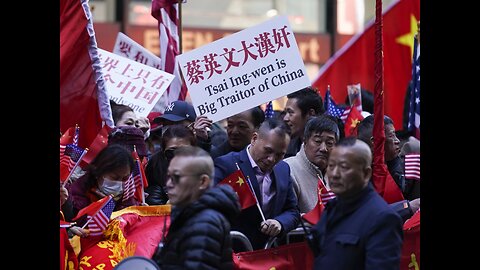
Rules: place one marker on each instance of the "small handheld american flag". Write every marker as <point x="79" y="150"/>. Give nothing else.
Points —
<point x="269" y="110"/>
<point x="412" y="166"/>
<point x="99" y="221"/>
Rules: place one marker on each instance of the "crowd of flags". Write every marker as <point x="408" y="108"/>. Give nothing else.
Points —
<point x="70" y="152"/>
<point x="166" y="12"/>
<point x="137" y="182"/>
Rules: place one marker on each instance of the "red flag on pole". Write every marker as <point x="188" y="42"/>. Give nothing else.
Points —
<point x="239" y="183"/>
<point x="100" y="142"/>
<point x="83" y="100"/>
<point x="93" y="208"/>
<point x="354" y="62"/>
<point x="353" y="119"/>
<point x="382" y="180"/>
<point x="167" y="14"/>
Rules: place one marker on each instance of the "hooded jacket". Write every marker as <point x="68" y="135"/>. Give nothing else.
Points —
<point x="199" y="235"/>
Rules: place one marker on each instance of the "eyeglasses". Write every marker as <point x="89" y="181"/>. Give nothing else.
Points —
<point x="169" y="153"/>
<point x="176" y="177"/>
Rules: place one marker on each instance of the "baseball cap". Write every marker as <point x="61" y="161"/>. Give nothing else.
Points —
<point x="176" y="111"/>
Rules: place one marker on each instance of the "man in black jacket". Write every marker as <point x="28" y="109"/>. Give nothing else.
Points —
<point x="199" y="234"/>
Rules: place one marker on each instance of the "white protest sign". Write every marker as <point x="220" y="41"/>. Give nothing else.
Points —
<point x="128" y="48"/>
<point x="131" y="83"/>
<point x="244" y="70"/>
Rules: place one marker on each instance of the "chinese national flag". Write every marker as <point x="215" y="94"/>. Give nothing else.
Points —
<point x="100" y="142"/>
<point x="93" y="208"/>
<point x="238" y="182"/>
<point x="314" y="215"/>
<point x="352" y="121"/>
<point x="67" y="137"/>
<point x="410" y="258"/>
<point x="354" y="62"/>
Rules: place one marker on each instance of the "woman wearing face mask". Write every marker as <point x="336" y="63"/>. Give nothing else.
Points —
<point x="105" y="176"/>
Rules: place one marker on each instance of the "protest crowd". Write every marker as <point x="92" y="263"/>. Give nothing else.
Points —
<point x="204" y="173"/>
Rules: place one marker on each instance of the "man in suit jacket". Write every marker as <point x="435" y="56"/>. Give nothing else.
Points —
<point x="261" y="162"/>
<point x="357" y="230"/>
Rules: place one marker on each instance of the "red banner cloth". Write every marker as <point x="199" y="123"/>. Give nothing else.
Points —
<point x="295" y="256"/>
<point x="68" y="259"/>
<point x="133" y="231"/>
<point x="410" y="259"/>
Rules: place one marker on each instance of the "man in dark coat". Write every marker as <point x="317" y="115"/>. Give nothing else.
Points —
<point x="261" y="162"/>
<point x="199" y="234"/>
<point x="357" y="230"/>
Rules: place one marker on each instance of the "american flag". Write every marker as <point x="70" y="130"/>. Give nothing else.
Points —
<point x="412" y="166"/>
<point x="414" y="111"/>
<point x="269" y="110"/>
<point x="75" y="136"/>
<point x="166" y="12"/>
<point x="324" y="195"/>
<point x="136" y="183"/>
<point x="70" y="157"/>
<point x="332" y="109"/>
<point x="65" y="139"/>
<point x="99" y="221"/>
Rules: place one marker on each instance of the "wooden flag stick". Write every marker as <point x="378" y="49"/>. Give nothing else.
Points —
<point x="137" y="161"/>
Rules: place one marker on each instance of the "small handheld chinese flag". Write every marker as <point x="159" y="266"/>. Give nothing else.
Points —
<point x="324" y="195"/>
<point x="238" y="182"/>
<point x="352" y="121"/>
<point x="93" y="208"/>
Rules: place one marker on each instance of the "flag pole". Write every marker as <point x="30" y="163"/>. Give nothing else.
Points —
<point x="180" y="26"/>
<point x="74" y="167"/>
<point x="378" y="92"/>
<point x="258" y="205"/>
<point x="253" y="191"/>
<point x="137" y="160"/>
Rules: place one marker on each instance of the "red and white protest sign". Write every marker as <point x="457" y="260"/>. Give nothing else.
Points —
<point x="243" y="70"/>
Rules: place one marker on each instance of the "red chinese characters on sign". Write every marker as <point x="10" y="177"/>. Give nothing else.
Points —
<point x="129" y="75"/>
<point x="264" y="44"/>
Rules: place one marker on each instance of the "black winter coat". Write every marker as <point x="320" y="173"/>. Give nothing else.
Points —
<point x="199" y="235"/>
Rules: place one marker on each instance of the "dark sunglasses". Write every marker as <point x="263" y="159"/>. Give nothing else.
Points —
<point x="176" y="177"/>
<point x="169" y="153"/>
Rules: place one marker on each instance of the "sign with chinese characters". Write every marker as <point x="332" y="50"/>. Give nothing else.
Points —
<point x="244" y="70"/>
<point x="128" y="48"/>
<point x="131" y="83"/>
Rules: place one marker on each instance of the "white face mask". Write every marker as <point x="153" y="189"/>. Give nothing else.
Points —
<point x="108" y="187"/>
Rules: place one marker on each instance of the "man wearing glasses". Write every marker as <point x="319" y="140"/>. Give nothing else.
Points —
<point x="199" y="234"/>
